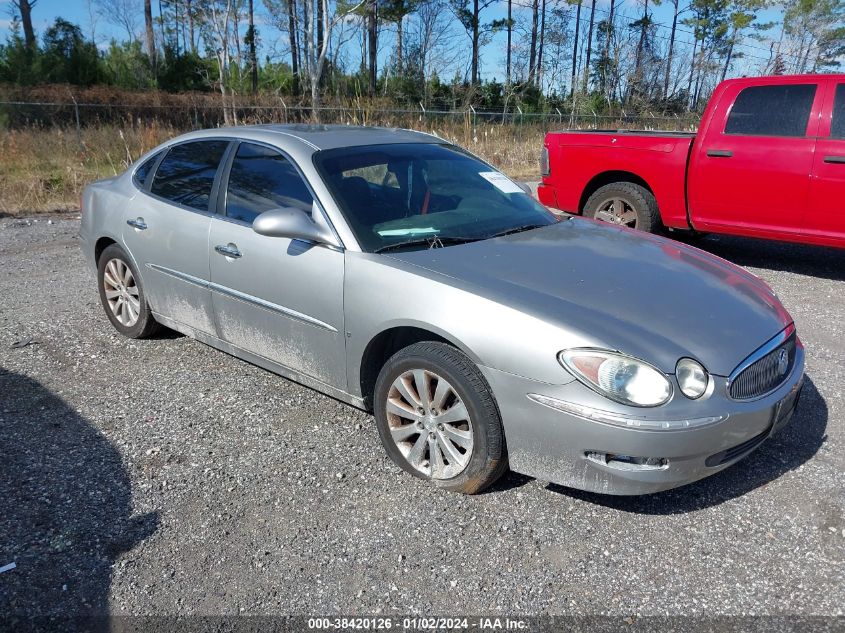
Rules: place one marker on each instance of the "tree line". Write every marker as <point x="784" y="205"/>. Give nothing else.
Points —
<point x="435" y="54"/>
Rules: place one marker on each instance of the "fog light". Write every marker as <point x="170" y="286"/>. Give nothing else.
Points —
<point x="692" y="378"/>
<point x="627" y="462"/>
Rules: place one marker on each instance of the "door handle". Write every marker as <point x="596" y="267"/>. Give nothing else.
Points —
<point x="720" y="153"/>
<point x="137" y="223"/>
<point x="834" y="159"/>
<point x="228" y="250"/>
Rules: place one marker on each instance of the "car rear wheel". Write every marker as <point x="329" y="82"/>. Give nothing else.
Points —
<point x="625" y="204"/>
<point x="122" y="295"/>
<point x="437" y="418"/>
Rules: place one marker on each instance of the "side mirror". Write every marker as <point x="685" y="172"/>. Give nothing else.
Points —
<point x="292" y="223"/>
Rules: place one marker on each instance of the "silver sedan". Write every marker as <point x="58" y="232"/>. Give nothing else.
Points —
<point x="398" y="273"/>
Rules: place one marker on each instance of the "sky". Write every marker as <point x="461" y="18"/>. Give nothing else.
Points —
<point x="80" y="12"/>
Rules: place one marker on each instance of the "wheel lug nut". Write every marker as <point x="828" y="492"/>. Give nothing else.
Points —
<point x="431" y="435"/>
<point x="439" y="427"/>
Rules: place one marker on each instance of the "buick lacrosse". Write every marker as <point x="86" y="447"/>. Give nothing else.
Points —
<point x="398" y="273"/>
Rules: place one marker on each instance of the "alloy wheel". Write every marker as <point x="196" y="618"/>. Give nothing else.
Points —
<point x="617" y="211"/>
<point x="430" y="424"/>
<point x="122" y="292"/>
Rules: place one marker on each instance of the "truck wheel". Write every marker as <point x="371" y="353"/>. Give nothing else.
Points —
<point x="626" y="204"/>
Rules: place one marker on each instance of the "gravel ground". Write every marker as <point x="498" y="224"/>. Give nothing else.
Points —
<point x="164" y="477"/>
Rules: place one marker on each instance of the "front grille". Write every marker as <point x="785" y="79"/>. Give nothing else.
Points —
<point x="765" y="374"/>
<point x="723" y="457"/>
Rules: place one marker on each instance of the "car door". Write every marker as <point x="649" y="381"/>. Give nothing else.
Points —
<point x="751" y="168"/>
<point x="167" y="233"/>
<point x="279" y="298"/>
<point x="827" y="191"/>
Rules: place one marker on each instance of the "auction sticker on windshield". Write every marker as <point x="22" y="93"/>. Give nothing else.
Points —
<point x="501" y="182"/>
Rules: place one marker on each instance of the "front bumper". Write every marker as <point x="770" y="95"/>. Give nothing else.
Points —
<point x="565" y="448"/>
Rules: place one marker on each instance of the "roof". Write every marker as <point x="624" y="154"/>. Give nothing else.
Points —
<point x="332" y="136"/>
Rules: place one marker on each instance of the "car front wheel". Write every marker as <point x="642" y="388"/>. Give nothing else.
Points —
<point x="437" y="418"/>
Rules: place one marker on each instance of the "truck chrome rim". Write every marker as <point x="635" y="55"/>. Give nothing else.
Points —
<point x="121" y="292"/>
<point x="617" y="211"/>
<point x="430" y="424"/>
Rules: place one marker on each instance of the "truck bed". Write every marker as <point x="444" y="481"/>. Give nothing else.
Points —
<point x="584" y="160"/>
<point x="658" y="133"/>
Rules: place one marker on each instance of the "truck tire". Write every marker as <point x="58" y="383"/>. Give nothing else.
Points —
<point x="625" y="204"/>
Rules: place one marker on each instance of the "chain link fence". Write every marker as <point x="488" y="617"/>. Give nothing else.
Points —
<point x="197" y="115"/>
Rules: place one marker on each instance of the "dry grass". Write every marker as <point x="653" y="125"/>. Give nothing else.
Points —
<point x="44" y="170"/>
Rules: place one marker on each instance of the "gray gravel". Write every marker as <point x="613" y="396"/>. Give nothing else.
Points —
<point x="164" y="477"/>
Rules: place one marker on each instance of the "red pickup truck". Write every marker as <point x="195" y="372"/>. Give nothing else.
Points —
<point x="768" y="161"/>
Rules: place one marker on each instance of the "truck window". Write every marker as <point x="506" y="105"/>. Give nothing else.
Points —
<point x="772" y="110"/>
<point x="837" y="126"/>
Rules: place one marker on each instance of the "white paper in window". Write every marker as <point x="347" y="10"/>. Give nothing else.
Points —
<point x="501" y="182"/>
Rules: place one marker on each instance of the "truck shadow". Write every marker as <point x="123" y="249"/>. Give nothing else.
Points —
<point x="794" y="445"/>
<point x="813" y="261"/>
<point x="65" y="510"/>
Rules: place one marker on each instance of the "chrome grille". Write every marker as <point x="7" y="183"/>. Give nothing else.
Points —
<point x="766" y="373"/>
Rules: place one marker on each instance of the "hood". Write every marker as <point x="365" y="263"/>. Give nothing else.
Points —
<point x="640" y="294"/>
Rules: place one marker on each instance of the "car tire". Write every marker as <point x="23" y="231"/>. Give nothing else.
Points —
<point x="452" y="381"/>
<point x="626" y="204"/>
<point x="122" y="294"/>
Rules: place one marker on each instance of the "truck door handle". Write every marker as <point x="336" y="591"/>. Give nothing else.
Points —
<point x="137" y="223"/>
<point x="834" y="159"/>
<point x="720" y="153"/>
<point x="229" y="250"/>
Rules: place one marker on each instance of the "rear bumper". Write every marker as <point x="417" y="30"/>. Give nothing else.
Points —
<point x="573" y="451"/>
<point x="546" y="195"/>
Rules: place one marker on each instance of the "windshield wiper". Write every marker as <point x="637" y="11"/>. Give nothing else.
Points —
<point x="434" y="241"/>
<point x="518" y="229"/>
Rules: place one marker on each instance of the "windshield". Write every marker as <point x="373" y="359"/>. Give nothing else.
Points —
<point x="415" y="192"/>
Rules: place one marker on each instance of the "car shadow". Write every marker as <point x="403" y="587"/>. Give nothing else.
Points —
<point x="165" y="334"/>
<point x="794" y="445"/>
<point x="802" y="259"/>
<point x="65" y="511"/>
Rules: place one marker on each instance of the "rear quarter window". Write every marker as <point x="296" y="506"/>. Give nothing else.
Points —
<point x="143" y="172"/>
<point x="772" y="110"/>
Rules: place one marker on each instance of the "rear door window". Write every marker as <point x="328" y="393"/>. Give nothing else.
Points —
<point x="262" y="179"/>
<point x="772" y="110"/>
<point x="837" y="125"/>
<point x="186" y="175"/>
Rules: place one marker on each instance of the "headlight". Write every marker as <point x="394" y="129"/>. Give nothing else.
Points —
<point x="692" y="378"/>
<point x="618" y="377"/>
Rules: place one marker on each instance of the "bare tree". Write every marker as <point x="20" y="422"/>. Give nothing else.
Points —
<point x="676" y="11"/>
<point x="253" y="58"/>
<point x="315" y="51"/>
<point x="123" y="14"/>
<point x="285" y="18"/>
<point x="532" y="54"/>
<point x="589" y="45"/>
<point x="24" y="8"/>
<point x="575" y="47"/>
<point x="150" y="33"/>
<point x="372" y="45"/>
<point x="217" y="19"/>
